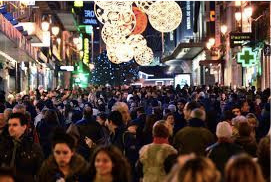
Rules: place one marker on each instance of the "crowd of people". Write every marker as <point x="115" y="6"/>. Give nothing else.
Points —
<point x="131" y="134"/>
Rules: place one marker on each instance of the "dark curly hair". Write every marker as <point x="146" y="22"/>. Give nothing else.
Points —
<point x="121" y="170"/>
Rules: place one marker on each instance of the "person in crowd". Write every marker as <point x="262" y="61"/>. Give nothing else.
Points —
<point x="39" y="107"/>
<point x="245" y="139"/>
<point x="45" y="129"/>
<point x="195" y="137"/>
<point x="196" y="169"/>
<point x="153" y="156"/>
<point x="179" y="116"/>
<point x="224" y="148"/>
<point x="122" y="138"/>
<point x="147" y="130"/>
<point x="236" y="110"/>
<point x="7" y="113"/>
<point x="263" y="156"/>
<point x="18" y="150"/>
<point x="2" y="122"/>
<point x="124" y="110"/>
<point x="242" y="168"/>
<point x="245" y="108"/>
<point x="19" y="108"/>
<point x="108" y="164"/>
<point x="254" y="124"/>
<point x="64" y="164"/>
<point x="87" y="128"/>
<point x="7" y="175"/>
<point x="235" y="124"/>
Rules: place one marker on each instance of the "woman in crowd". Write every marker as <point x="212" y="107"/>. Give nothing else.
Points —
<point x="242" y="168"/>
<point x="109" y="165"/>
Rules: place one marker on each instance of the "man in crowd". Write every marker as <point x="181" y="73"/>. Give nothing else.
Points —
<point x="18" y="150"/>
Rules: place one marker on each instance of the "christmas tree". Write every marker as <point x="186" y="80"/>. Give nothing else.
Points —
<point x="106" y="72"/>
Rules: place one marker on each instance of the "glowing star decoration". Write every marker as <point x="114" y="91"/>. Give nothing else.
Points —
<point x="141" y="21"/>
<point x="165" y="16"/>
<point x="115" y="5"/>
<point x="247" y="57"/>
<point x="144" y="6"/>
<point x="143" y="56"/>
<point x="78" y="4"/>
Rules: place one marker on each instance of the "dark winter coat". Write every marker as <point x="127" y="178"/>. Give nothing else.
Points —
<point x="248" y="143"/>
<point x="193" y="138"/>
<point x="28" y="158"/>
<point x="220" y="152"/>
<point x="45" y="130"/>
<point x="50" y="172"/>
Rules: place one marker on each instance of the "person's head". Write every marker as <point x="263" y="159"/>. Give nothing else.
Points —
<point x="244" y="129"/>
<point x="242" y="168"/>
<point x="245" y="107"/>
<point x="26" y="98"/>
<point x="223" y="130"/>
<point x="17" y="124"/>
<point x="39" y="106"/>
<point x="199" y="169"/>
<point x="252" y="120"/>
<point x="63" y="146"/>
<point x="7" y="113"/>
<point x="160" y="130"/>
<point x="172" y="108"/>
<point x="170" y="119"/>
<point x="88" y="112"/>
<point x="236" y="110"/>
<point x="114" y="120"/>
<point x="19" y="108"/>
<point x="189" y="106"/>
<point x="238" y="119"/>
<point x="263" y="155"/>
<point x="198" y="114"/>
<point x="51" y="116"/>
<point x="2" y="120"/>
<point x="6" y="175"/>
<point x="101" y="118"/>
<point x="139" y="111"/>
<point x="180" y="104"/>
<point x="108" y="160"/>
<point x="124" y="110"/>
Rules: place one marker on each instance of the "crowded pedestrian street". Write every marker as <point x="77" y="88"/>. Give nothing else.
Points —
<point x="135" y="91"/>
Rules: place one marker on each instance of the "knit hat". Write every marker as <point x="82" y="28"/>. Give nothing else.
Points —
<point x="223" y="129"/>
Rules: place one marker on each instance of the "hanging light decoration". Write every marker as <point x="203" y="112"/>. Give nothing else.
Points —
<point x="141" y="21"/>
<point x="123" y="25"/>
<point x="144" y="6"/>
<point x="143" y="56"/>
<point x="165" y="16"/>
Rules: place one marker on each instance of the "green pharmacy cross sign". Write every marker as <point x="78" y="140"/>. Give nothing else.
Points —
<point x="247" y="57"/>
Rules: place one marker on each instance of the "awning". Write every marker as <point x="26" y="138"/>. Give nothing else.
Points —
<point x="67" y="21"/>
<point x="185" y="52"/>
<point x="10" y="48"/>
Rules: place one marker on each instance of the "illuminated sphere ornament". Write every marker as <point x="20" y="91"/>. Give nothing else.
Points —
<point x="165" y="16"/>
<point x="124" y="52"/>
<point x="143" y="56"/>
<point x="141" y="21"/>
<point x="115" y="5"/>
<point x="136" y="41"/>
<point x="144" y="6"/>
<point x="111" y="54"/>
<point x="112" y="35"/>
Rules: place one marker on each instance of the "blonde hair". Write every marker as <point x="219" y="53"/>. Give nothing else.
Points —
<point x="122" y="107"/>
<point x="199" y="169"/>
<point x="242" y="168"/>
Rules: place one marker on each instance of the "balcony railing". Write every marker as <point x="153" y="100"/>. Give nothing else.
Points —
<point x="17" y="37"/>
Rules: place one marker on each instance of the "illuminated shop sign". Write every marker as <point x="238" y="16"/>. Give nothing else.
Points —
<point x="86" y="51"/>
<point x="246" y="57"/>
<point x="238" y="39"/>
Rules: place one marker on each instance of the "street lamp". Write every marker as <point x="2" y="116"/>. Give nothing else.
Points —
<point x="212" y="42"/>
<point x="55" y="30"/>
<point x="224" y="29"/>
<point x="75" y="40"/>
<point x="45" y="26"/>
<point x="248" y="12"/>
<point x="238" y="16"/>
